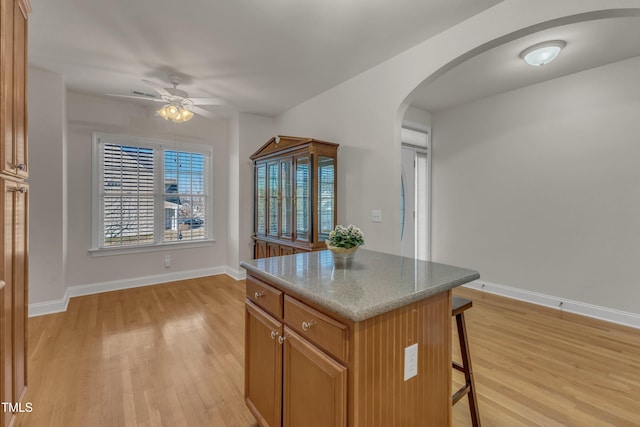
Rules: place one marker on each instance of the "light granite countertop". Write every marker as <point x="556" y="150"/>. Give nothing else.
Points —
<point x="373" y="284"/>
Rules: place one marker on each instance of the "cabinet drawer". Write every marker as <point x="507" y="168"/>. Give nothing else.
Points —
<point x="265" y="296"/>
<point x="323" y="331"/>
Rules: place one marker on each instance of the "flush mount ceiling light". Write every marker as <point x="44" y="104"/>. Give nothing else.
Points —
<point x="542" y="53"/>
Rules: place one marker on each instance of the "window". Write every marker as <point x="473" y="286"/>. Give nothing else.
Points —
<point x="149" y="193"/>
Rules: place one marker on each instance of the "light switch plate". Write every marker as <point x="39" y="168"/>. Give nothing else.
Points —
<point x="410" y="361"/>
<point x="376" y="216"/>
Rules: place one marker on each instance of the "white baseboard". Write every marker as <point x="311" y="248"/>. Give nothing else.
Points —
<point x="236" y="274"/>
<point x="570" y="306"/>
<point x="577" y="307"/>
<point x="49" y="307"/>
<point x="57" y="306"/>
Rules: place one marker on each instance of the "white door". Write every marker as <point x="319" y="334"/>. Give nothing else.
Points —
<point x="415" y="207"/>
<point x="408" y="231"/>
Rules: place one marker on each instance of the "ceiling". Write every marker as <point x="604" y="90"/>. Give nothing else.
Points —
<point x="589" y="44"/>
<point x="263" y="56"/>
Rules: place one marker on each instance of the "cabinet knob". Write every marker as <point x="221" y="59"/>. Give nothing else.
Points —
<point x="22" y="167"/>
<point x="257" y="295"/>
<point x="274" y="335"/>
<point x="281" y="339"/>
<point x="307" y="325"/>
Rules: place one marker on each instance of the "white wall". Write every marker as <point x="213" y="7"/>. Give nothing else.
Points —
<point x="364" y="113"/>
<point x="248" y="133"/>
<point x="60" y="141"/>
<point x="255" y="131"/>
<point x="87" y="114"/>
<point x="416" y="118"/>
<point x="47" y="210"/>
<point x="537" y="188"/>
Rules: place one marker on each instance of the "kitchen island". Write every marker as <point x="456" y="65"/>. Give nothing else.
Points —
<point x="326" y="346"/>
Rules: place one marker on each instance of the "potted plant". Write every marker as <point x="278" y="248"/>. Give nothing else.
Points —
<point x="343" y="242"/>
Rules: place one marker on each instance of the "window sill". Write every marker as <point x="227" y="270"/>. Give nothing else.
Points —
<point x="99" y="252"/>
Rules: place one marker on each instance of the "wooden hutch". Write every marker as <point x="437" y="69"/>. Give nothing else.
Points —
<point x="295" y="193"/>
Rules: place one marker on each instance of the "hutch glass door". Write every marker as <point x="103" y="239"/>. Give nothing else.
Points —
<point x="303" y="187"/>
<point x="326" y="196"/>
<point x="286" y="210"/>
<point x="261" y="199"/>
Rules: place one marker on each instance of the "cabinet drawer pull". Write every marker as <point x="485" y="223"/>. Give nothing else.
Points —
<point x="274" y="335"/>
<point x="19" y="190"/>
<point x="307" y="325"/>
<point x="281" y="339"/>
<point x="22" y="167"/>
<point x="257" y="295"/>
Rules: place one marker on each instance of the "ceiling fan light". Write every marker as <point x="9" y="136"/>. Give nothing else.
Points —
<point x="542" y="53"/>
<point x="162" y="112"/>
<point x="173" y="112"/>
<point x="182" y="116"/>
<point x="186" y="115"/>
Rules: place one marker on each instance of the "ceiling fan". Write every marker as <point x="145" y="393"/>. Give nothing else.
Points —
<point x="179" y="107"/>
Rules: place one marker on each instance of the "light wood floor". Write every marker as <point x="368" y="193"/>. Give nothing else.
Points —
<point x="536" y="366"/>
<point x="172" y="355"/>
<point x="167" y="355"/>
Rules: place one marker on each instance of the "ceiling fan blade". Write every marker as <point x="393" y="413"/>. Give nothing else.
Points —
<point x="200" y="111"/>
<point x="157" y="87"/>
<point x="209" y="101"/>
<point x="144" y="98"/>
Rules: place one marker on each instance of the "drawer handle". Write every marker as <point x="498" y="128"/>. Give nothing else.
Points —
<point x="281" y="339"/>
<point x="257" y="295"/>
<point x="307" y="325"/>
<point x="274" y="335"/>
<point x="22" y="167"/>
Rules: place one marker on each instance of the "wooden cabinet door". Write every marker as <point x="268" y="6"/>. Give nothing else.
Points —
<point x="13" y="66"/>
<point x="19" y="91"/>
<point x="315" y="386"/>
<point x="260" y="249"/>
<point x="273" y="249"/>
<point x="263" y="366"/>
<point x="14" y="274"/>
<point x="7" y="8"/>
<point x="286" y="250"/>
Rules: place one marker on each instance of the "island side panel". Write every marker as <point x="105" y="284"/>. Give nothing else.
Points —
<point x="379" y="396"/>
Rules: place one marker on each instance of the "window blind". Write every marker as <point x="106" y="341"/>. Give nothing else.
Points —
<point x="128" y="195"/>
<point x="148" y="193"/>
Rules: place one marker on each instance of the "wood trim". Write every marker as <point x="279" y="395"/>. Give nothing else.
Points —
<point x="3" y="342"/>
<point x="25" y="7"/>
<point x="283" y="144"/>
